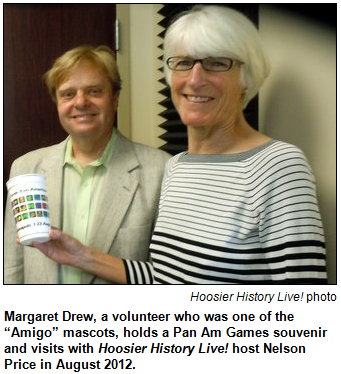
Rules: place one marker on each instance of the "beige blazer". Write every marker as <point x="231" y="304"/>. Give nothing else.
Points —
<point x="125" y="215"/>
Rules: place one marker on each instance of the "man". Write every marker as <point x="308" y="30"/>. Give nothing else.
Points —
<point x="103" y="189"/>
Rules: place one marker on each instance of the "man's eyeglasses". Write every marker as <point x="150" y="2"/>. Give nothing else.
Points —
<point x="209" y="63"/>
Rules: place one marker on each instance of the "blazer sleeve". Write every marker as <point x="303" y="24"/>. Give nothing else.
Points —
<point x="13" y="253"/>
<point x="16" y="258"/>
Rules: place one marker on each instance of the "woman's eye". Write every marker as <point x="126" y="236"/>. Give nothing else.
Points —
<point x="184" y="63"/>
<point x="218" y="64"/>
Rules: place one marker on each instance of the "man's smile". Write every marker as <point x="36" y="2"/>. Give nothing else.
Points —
<point x="84" y="115"/>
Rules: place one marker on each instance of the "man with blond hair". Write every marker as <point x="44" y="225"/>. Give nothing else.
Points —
<point x="103" y="189"/>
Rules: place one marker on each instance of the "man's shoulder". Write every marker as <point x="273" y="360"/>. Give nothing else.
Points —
<point x="43" y="153"/>
<point x="150" y="151"/>
<point x="144" y="152"/>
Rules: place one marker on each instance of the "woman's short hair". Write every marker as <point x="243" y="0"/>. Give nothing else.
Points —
<point x="102" y="56"/>
<point x="219" y="31"/>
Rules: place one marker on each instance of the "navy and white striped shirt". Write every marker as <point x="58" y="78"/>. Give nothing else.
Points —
<point x="247" y="218"/>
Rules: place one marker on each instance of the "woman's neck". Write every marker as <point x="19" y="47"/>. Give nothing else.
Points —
<point x="227" y="139"/>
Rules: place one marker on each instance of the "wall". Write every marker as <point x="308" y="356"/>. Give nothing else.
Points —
<point x="298" y="102"/>
<point x="138" y="62"/>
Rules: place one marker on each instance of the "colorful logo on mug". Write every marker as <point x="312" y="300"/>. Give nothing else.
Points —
<point x="35" y="204"/>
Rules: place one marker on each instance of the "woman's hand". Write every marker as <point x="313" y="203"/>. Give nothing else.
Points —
<point x="62" y="248"/>
<point x="67" y="250"/>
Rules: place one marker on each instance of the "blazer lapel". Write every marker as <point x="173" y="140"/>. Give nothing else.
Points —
<point x="118" y="192"/>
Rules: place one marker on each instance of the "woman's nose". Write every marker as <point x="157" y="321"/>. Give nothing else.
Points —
<point x="197" y="75"/>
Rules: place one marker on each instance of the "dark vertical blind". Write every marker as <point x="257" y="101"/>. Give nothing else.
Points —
<point x="34" y="35"/>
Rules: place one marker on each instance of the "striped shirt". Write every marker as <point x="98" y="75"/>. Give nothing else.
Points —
<point x="247" y="218"/>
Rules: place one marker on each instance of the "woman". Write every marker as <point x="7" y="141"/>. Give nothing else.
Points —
<point x="238" y="207"/>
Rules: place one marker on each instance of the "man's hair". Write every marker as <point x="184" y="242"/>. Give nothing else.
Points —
<point x="101" y="56"/>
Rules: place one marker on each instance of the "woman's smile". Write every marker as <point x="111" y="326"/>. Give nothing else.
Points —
<point x="198" y="99"/>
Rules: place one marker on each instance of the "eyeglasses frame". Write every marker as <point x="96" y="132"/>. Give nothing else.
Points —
<point x="195" y="60"/>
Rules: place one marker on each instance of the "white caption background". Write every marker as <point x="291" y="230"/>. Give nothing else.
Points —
<point x="216" y="336"/>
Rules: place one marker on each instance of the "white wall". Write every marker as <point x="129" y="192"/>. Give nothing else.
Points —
<point x="138" y="63"/>
<point x="298" y="102"/>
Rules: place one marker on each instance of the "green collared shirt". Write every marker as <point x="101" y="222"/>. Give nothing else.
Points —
<point x="82" y="188"/>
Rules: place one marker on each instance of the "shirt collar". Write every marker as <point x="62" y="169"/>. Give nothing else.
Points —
<point x="102" y="160"/>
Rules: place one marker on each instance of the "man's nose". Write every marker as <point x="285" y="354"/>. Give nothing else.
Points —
<point x="81" y="99"/>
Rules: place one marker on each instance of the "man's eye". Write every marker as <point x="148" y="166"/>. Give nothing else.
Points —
<point x="67" y="94"/>
<point x="94" y="91"/>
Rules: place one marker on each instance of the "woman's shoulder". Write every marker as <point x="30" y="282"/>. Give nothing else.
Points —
<point x="282" y="157"/>
<point x="175" y="159"/>
<point x="284" y="151"/>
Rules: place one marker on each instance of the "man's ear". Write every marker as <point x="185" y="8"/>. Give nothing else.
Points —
<point x="116" y="99"/>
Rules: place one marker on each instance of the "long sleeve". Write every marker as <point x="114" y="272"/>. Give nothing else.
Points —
<point x="138" y="272"/>
<point x="290" y="229"/>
